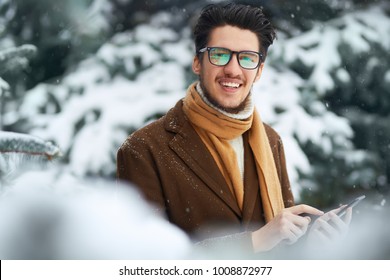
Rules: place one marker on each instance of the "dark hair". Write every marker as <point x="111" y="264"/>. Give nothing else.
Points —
<point x="238" y="15"/>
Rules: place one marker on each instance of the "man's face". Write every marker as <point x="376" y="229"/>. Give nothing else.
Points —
<point x="227" y="87"/>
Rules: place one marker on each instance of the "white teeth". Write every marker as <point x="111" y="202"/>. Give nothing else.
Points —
<point x="234" y="85"/>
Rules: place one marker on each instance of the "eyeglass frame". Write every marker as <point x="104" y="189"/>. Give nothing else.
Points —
<point x="202" y="50"/>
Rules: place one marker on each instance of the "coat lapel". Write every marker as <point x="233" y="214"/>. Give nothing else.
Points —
<point x="190" y="148"/>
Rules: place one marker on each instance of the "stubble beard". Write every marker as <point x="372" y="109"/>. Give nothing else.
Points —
<point x="215" y="103"/>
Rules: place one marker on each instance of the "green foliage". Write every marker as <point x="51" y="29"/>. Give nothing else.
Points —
<point x="13" y="60"/>
<point x="336" y="176"/>
<point x="364" y="100"/>
<point x="18" y="152"/>
<point x="63" y="32"/>
<point x="345" y="62"/>
<point x="318" y="40"/>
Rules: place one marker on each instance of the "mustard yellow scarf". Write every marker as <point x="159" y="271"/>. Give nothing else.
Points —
<point x="216" y="129"/>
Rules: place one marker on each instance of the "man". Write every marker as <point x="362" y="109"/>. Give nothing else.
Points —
<point x="210" y="164"/>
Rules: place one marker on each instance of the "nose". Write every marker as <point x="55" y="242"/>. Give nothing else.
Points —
<point x="233" y="68"/>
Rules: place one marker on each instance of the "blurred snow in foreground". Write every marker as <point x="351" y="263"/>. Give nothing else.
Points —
<point x="52" y="215"/>
<point x="45" y="218"/>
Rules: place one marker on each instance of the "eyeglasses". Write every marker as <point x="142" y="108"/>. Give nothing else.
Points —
<point x="221" y="56"/>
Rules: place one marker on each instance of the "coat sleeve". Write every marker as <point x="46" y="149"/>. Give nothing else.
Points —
<point x="135" y="166"/>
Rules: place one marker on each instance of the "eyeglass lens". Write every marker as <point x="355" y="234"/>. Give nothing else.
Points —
<point x="221" y="57"/>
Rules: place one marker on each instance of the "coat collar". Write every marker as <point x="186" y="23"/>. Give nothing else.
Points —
<point x="189" y="147"/>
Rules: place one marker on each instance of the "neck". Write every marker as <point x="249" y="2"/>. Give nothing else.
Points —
<point x="244" y="114"/>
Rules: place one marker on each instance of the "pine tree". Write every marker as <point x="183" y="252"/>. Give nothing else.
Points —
<point x="318" y="44"/>
<point x="18" y="152"/>
<point x="345" y="63"/>
<point x="64" y="32"/>
<point x="104" y="97"/>
<point x="13" y="60"/>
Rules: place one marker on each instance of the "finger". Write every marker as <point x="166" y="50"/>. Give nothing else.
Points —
<point x="326" y="217"/>
<point x="291" y="239"/>
<point x="304" y="226"/>
<point x="293" y="235"/>
<point x="298" y="225"/>
<point x="301" y="222"/>
<point x="337" y="223"/>
<point x="299" y="229"/>
<point x="338" y="210"/>
<point x="327" y="229"/>
<point x="348" y="216"/>
<point x="291" y="231"/>
<point x="304" y="209"/>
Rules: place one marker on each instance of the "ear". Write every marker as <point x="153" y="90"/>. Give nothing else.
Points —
<point x="259" y="71"/>
<point x="196" y="67"/>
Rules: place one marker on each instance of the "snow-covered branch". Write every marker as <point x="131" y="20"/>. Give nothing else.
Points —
<point x="20" y="152"/>
<point x="16" y="58"/>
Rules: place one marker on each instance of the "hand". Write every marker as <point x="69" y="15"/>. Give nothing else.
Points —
<point x="330" y="227"/>
<point x="288" y="226"/>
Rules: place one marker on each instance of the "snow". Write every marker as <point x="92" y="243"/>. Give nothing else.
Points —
<point x="343" y="75"/>
<point x="54" y="216"/>
<point x="280" y="89"/>
<point x="161" y="74"/>
<point x="19" y="143"/>
<point x="94" y="146"/>
<point x="178" y="52"/>
<point x="3" y="85"/>
<point x="92" y="20"/>
<point x="99" y="107"/>
<point x="147" y="55"/>
<point x="153" y="35"/>
<point x="387" y="76"/>
<point x="318" y="48"/>
<point x="137" y="76"/>
<point x="107" y="104"/>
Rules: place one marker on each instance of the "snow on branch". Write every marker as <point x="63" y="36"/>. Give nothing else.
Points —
<point x="3" y="85"/>
<point x="16" y="58"/>
<point x="19" y="152"/>
<point x="4" y="88"/>
<point x="318" y="49"/>
<point x="12" y="142"/>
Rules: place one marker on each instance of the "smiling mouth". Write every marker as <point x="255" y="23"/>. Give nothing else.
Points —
<point x="230" y="84"/>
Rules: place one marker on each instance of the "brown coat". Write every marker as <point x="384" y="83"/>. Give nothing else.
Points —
<point x="170" y="164"/>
